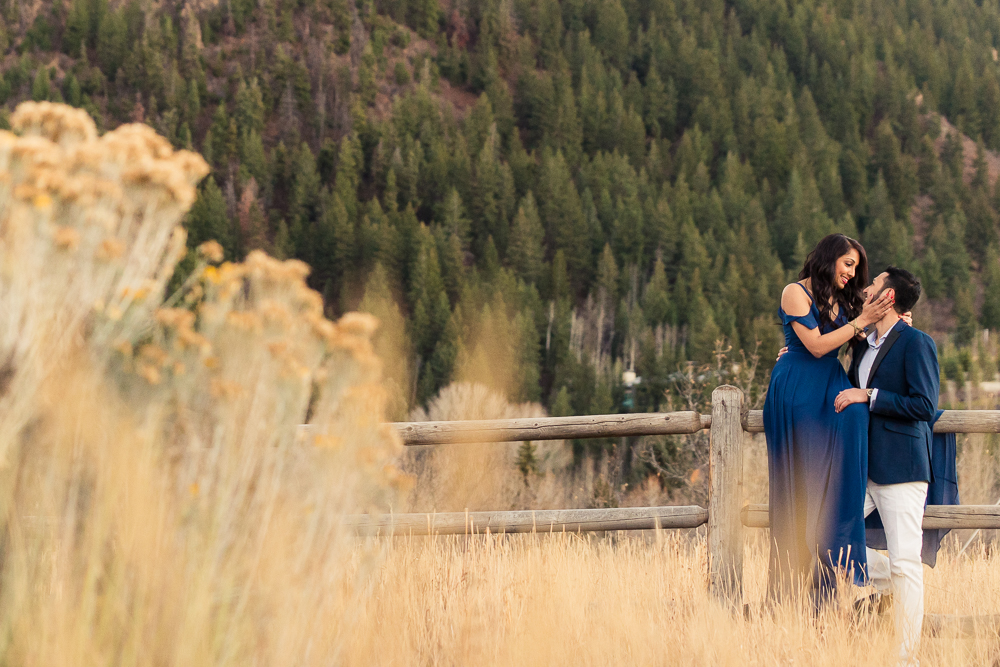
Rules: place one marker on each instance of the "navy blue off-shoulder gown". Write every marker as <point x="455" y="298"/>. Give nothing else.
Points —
<point x="817" y="465"/>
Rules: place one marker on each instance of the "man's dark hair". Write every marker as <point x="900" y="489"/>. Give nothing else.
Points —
<point x="905" y="285"/>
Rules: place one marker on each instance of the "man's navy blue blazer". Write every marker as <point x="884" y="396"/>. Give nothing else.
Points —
<point x="907" y="377"/>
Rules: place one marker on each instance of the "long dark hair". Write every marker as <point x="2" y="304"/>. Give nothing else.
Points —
<point x="820" y="266"/>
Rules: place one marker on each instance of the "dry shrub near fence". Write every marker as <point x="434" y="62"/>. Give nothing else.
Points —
<point x="533" y="475"/>
<point x="495" y="476"/>
<point x="156" y="503"/>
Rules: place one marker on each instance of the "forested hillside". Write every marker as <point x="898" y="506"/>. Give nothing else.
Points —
<point x="542" y="194"/>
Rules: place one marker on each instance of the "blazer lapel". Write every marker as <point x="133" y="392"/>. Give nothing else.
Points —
<point x="884" y="350"/>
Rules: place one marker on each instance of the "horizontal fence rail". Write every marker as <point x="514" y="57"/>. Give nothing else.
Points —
<point x="628" y="425"/>
<point x="552" y="428"/>
<point x="626" y="518"/>
<point x="935" y="516"/>
<point x="528" y="521"/>
<point x="952" y="421"/>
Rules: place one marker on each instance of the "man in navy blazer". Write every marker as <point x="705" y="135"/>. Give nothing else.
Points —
<point x="895" y="370"/>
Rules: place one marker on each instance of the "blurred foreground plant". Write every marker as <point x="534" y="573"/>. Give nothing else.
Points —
<point x="159" y="503"/>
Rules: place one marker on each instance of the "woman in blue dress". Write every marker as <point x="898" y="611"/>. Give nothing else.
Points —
<point x="817" y="458"/>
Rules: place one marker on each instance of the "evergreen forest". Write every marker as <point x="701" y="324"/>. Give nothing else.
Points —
<point x="542" y="195"/>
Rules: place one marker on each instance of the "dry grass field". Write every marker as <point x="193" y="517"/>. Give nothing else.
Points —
<point x="159" y="504"/>
<point x="641" y="598"/>
<point x="570" y="600"/>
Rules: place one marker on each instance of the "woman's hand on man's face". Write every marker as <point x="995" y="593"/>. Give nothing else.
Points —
<point x="906" y="317"/>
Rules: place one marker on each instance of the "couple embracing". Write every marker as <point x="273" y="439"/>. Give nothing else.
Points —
<point x="844" y="444"/>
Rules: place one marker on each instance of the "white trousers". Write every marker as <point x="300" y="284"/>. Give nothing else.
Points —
<point x="901" y="507"/>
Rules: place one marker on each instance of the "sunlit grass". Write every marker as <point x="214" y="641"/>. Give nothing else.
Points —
<point x="579" y="600"/>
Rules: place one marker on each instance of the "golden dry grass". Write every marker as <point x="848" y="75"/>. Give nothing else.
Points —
<point x="571" y="600"/>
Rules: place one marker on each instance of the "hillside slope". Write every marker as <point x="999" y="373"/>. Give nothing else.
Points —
<point x="538" y="194"/>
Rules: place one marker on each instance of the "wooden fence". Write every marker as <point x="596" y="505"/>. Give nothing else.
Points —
<point x="726" y="514"/>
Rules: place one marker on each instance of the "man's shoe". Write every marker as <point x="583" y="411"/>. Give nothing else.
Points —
<point x="875" y="603"/>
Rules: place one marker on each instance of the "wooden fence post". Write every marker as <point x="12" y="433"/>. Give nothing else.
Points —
<point x="725" y="530"/>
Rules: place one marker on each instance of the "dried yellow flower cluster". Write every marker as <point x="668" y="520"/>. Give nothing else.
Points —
<point x="87" y="224"/>
<point x="254" y="347"/>
<point x="89" y="238"/>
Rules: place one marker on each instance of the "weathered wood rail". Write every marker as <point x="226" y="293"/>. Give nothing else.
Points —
<point x="552" y="428"/>
<point x="726" y="515"/>
<point x="620" y="426"/>
<point x="528" y="521"/>
<point x="935" y="516"/>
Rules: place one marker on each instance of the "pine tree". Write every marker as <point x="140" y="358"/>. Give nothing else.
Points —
<point x="367" y="77"/>
<point x="480" y="124"/>
<point x="40" y="88"/>
<point x="184" y="137"/>
<point x="899" y="170"/>
<point x="446" y="351"/>
<point x="887" y="240"/>
<point x="488" y="220"/>
<point x="607" y="279"/>
<point x="193" y="101"/>
<point x="981" y="223"/>
<point x="77" y="27"/>
<point x="561" y="406"/>
<point x="567" y="132"/>
<point x="611" y="33"/>
<point x="349" y="166"/>
<point x="989" y="315"/>
<point x="208" y="220"/>
<point x="526" y="253"/>
<point x="964" y="312"/>
<point x="219" y="132"/>
<point x="451" y="256"/>
<point x="661" y="108"/>
<point x="931" y="279"/>
<point x="528" y="376"/>
<point x="283" y="246"/>
<point x="252" y="155"/>
<point x="112" y="42"/>
<point x="424" y="16"/>
<point x="989" y="101"/>
<point x="249" y="111"/>
<point x="656" y="304"/>
<point x="72" y="87"/>
<point x="305" y="191"/>
<point x="694" y="260"/>
<point x="343" y="236"/>
<point x="454" y="219"/>
<point x="562" y="215"/>
<point x="801" y="212"/>
<point x="964" y="109"/>
<point x="703" y="332"/>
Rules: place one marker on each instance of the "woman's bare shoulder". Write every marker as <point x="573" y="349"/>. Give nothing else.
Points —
<point x="794" y="300"/>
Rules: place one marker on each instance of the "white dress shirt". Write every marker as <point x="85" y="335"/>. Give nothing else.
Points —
<point x="868" y="359"/>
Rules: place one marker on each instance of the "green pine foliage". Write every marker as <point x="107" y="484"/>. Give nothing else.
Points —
<point x="623" y="184"/>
